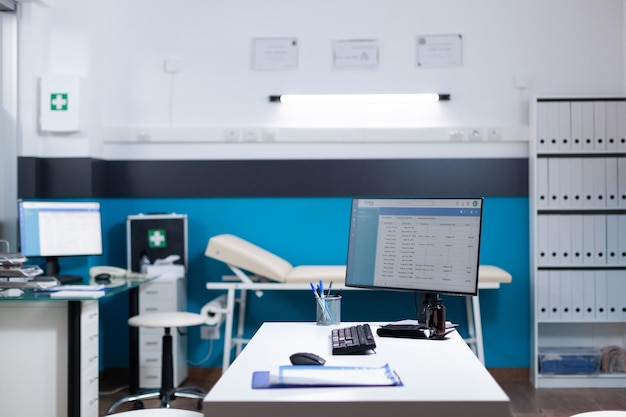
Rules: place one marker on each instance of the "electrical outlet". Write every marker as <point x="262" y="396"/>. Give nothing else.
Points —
<point x="209" y="332"/>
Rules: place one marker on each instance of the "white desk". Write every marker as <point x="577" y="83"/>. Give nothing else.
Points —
<point x="489" y="277"/>
<point x="441" y="378"/>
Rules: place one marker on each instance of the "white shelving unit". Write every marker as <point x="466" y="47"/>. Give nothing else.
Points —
<point x="577" y="168"/>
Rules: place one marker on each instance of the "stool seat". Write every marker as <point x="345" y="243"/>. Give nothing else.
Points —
<point x="167" y="319"/>
<point x="160" y="412"/>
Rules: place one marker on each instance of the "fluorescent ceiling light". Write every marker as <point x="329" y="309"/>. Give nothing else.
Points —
<point x="360" y="98"/>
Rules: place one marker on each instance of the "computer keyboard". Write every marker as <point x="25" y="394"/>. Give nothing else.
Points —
<point x="354" y="339"/>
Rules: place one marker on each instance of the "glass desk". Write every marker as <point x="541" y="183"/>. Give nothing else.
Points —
<point x="65" y="318"/>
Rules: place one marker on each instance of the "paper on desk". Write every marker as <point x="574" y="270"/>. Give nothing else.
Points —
<point x="293" y="376"/>
<point x="76" y="294"/>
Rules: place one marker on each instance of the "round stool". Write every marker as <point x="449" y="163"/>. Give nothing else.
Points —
<point x="602" y="413"/>
<point x="167" y="392"/>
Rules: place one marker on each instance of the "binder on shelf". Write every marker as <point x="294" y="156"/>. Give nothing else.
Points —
<point x="578" y="303"/>
<point x="564" y="127"/>
<point x="611" y="126"/>
<point x="588" y="183"/>
<point x="588" y="132"/>
<point x="611" y="182"/>
<point x="543" y="293"/>
<point x="576" y="224"/>
<point x="542" y="182"/>
<point x="621" y="126"/>
<point x="543" y="142"/>
<point x="553" y="126"/>
<point x="601" y="295"/>
<point x="565" y="280"/>
<point x="554" y="173"/>
<point x="599" y="179"/>
<point x="553" y="240"/>
<point x="576" y="116"/>
<point x="542" y="240"/>
<point x="589" y="295"/>
<point x="612" y="239"/>
<point x="615" y="300"/>
<point x="621" y="236"/>
<point x="576" y="175"/>
<point x="621" y="182"/>
<point x="565" y="182"/>
<point x="554" y="297"/>
<point x="565" y="240"/>
<point x="599" y="243"/>
<point x="599" y="124"/>
<point x="588" y="240"/>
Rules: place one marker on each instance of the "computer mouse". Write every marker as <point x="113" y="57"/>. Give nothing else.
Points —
<point x="102" y="278"/>
<point x="306" y="358"/>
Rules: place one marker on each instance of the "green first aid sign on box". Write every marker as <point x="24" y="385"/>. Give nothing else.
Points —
<point x="60" y="102"/>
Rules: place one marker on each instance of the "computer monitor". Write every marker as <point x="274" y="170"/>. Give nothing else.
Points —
<point x="54" y="229"/>
<point x="426" y="245"/>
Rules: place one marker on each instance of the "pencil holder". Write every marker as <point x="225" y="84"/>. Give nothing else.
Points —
<point x="328" y="310"/>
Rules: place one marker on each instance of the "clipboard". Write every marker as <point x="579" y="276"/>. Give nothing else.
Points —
<point x="305" y="376"/>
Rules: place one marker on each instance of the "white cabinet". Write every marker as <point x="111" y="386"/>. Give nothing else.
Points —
<point x="166" y="293"/>
<point x="577" y="167"/>
<point x="89" y="358"/>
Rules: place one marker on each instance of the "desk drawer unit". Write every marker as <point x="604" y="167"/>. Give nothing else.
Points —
<point x="163" y="294"/>
<point x="89" y="357"/>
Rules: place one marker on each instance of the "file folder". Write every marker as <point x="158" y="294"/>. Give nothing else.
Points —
<point x="621" y="182"/>
<point x="612" y="239"/>
<point x="612" y="138"/>
<point x="543" y="294"/>
<point x="599" y="243"/>
<point x="543" y="142"/>
<point x="564" y="127"/>
<point x="542" y="182"/>
<point x="554" y="182"/>
<point x="578" y="303"/>
<point x="576" y="116"/>
<point x="599" y="125"/>
<point x="601" y="295"/>
<point x="554" y="297"/>
<point x="588" y="183"/>
<point x="305" y="376"/>
<point x="589" y="295"/>
<point x="599" y="182"/>
<point x="576" y="175"/>
<point x="588" y="133"/>
<point x="611" y="182"/>
<point x="576" y="224"/>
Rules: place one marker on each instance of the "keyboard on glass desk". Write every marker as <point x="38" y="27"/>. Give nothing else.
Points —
<point x="354" y="339"/>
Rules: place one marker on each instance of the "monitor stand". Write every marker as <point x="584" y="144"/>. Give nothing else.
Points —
<point x="53" y="269"/>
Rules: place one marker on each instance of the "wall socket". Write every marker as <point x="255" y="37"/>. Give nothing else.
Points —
<point x="209" y="332"/>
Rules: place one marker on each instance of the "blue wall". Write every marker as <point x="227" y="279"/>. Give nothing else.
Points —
<point x="314" y="231"/>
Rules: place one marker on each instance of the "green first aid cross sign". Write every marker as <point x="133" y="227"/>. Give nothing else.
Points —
<point x="58" y="102"/>
<point x="157" y="238"/>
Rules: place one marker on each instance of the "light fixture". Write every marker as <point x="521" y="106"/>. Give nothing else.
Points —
<point x="359" y="98"/>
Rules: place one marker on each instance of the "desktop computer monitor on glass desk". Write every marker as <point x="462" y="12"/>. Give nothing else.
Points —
<point x="54" y="229"/>
<point x="427" y="245"/>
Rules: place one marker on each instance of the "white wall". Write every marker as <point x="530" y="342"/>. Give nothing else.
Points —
<point x="138" y="110"/>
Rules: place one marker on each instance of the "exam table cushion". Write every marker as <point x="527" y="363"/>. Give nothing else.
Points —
<point x="493" y="274"/>
<point x="245" y="255"/>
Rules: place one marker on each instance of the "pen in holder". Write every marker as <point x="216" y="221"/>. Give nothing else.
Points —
<point x="328" y="310"/>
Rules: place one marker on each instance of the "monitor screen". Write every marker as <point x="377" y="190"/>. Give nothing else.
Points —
<point x="417" y="244"/>
<point x="52" y="228"/>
